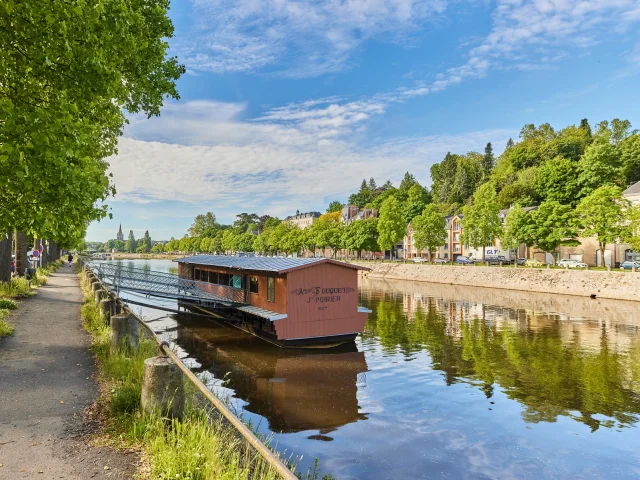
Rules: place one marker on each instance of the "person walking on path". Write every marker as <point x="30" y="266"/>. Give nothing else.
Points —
<point x="47" y="381"/>
<point x="70" y="258"/>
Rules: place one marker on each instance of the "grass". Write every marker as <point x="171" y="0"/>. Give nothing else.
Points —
<point x="5" y="327"/>
<point x="200" y="446"/>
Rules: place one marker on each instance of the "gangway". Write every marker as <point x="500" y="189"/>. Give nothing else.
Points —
<point x="166" y="285"/>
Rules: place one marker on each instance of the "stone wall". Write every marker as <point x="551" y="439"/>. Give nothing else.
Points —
<point x="614" y="285"/>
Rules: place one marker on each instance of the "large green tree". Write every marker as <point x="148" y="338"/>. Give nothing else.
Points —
<point x="603" y="214"/>
<point x="630" y="153"/>
<point x="481" y="222"/>
<point x="429" y="229"/>
<point x="361" y="235"/>
<point x="335" y="206"/>
<point x="552" y="225"/>
<point x="599" y="165"/>
<point x="391" y="224"/>
<point x="516" y="228"/>
<point x="557" y="179"/>
<point x="204" y="225"/>
<point x="417" y="199"/>
<point x="68" y="72"/>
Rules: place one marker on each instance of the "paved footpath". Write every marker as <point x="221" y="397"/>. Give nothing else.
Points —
<point x="47" y="379"/>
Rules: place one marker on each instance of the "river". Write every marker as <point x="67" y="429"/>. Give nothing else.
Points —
<point x="445" y="382"/>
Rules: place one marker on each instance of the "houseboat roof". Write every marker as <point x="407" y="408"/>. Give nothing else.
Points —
<point x="264" y="264"/>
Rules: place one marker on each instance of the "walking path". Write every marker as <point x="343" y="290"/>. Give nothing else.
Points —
<point x="47" y="380"/>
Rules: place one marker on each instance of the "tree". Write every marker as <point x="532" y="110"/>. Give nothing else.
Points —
<point x="131" y="245"/>
<point x="552" y="225"/>
<point x="327" y="232"/>
<point x="70" y="72"/>
<point x="204" y="225"/>
<point x="229" y="240"/>
<point x="364" y="195"/>
<point x="429" y="229"/>
<point x="516" y="228"/>
<point x="245" y="222"/>
<point x="510" y="144"/>
<point x="481" y="222"/>
<point x="602" y="214"/>
<point x="407" y="182"/>
<point x="557" y="179"/>
<point x="633" y="215"/>
<point x="391" y="225"/>
<point x="335" y="206"/>
<point x="157" y="248"/>
<point x="416" y="201"/>
<point x="488" y="160"/>
<point x="244" y="242"/>
<point x="584" y="125"/>
<point x="147" y="241"/>
<point x="599" y="165"/>
<point x="361" y="235"/>
<point x="630" y="153"/>
<point x="293" y="240"/>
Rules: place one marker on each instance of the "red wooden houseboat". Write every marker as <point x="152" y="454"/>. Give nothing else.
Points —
<point x="287" y="301"/>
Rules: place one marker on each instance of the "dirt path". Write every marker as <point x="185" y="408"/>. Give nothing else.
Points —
<point x="46" y="382"/>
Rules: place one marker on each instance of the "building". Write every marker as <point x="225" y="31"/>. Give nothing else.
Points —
<point x="303" y="220"/>
<point x="633" y="194"/>
<point x="120" y="235"/>
<point x="286" y="301"/>
<point x="351" y="213"/>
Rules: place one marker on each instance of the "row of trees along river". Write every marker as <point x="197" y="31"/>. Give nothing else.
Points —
<point x="574" y="176"/>
<point x="68" y="74"/>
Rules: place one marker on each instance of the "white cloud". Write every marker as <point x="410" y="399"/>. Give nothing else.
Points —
<point x="285" y="160"/>
<point x="312" y="36"/>
<point x="537" y="34"/>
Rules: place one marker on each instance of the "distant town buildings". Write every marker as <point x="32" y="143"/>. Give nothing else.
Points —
<point x="303" y="220"/>
<point x="351" y="213"/>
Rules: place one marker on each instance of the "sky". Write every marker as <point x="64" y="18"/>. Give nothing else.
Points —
<point x="288" y="104"/>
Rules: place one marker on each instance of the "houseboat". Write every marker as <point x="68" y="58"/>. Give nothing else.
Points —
<point x="290" y="302"/>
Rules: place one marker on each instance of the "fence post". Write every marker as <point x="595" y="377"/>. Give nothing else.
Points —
<point x="106" y="309"/>
<point x="124" y="333"/>
<point x="162" y="387"/>
<point x="97" y="296"/>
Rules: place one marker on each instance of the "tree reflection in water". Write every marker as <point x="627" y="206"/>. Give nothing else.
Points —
<point x="550" y="365"/>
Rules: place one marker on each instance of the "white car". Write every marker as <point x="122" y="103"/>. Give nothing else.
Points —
<point x="420" y="260"/>
<point x="571" y="263"/>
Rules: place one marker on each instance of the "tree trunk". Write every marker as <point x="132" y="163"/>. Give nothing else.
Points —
<point x="22" y="247"/>
<point x="54" y="254"/>
<point x="483" y="249"/>
<point x="5" y="257"/>
<point x="45" y="253"/>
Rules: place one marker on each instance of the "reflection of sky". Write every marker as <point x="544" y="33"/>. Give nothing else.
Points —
<point x="417" y="426"/>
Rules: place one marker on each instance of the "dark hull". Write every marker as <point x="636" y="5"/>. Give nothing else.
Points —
<point x="258" y="327"/>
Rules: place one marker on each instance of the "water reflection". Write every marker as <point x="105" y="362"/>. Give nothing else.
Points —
<point x="294" y="390"/>
<point x="550" y="363"/>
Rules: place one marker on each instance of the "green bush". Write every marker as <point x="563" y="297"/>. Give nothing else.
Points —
<point x="5" y="327"/>
<point x="7" y="304"/>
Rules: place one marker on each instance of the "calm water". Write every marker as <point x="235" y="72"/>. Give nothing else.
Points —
<point x="445" y="382"/>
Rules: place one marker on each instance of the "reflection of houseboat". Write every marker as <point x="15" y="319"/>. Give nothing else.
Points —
<point x="294" y="389"/>
<point x="288" y="301"/>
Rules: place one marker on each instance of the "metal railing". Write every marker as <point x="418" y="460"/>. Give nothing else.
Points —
<point x="161" y="284"/>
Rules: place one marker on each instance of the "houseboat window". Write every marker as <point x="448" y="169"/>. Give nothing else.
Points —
<point x="253" y="285"/>
<point x="271" y="289"/>
<point x="197" y="274"/>
<point x="223" y="279"/>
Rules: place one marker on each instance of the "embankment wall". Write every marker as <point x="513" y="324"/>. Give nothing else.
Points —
<point x="616" y="285"/>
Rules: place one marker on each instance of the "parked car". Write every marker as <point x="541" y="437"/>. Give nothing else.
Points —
<point x="420" y="260"/>
<point x="629" y="264"/>
<point x="496" y="259"/>
<point x="533" y="262"/>
<point x="522" y="261"/>
<point x="441" y="260"/>
<point x="568" y="262"/>
<point x="463" y="259"/>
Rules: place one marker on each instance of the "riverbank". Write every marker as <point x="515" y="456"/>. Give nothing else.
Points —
<point x="144" y="256"/>
<point x="614" y="285"/>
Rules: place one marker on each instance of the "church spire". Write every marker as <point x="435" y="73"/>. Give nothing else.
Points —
<point x="120" y="234"/>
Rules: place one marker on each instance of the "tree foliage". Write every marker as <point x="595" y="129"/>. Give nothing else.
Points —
<point x="602" y="215"/>
<point x="391" y="225"/>
<point x="552" y="225"/>
<point x="429" y="229"/>
<point x="481" y="220"/>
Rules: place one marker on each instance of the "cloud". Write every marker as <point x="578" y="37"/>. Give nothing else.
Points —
<point x="537" y="35"/>
<point x="311" y="37"/>
<point x="291" y="157"/>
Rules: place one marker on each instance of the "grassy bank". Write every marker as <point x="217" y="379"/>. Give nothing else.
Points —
<point x="201" y="446"/>
<point x="19" y="287"/>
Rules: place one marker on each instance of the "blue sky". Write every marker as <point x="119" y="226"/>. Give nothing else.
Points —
<point x="288" y="104"/>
